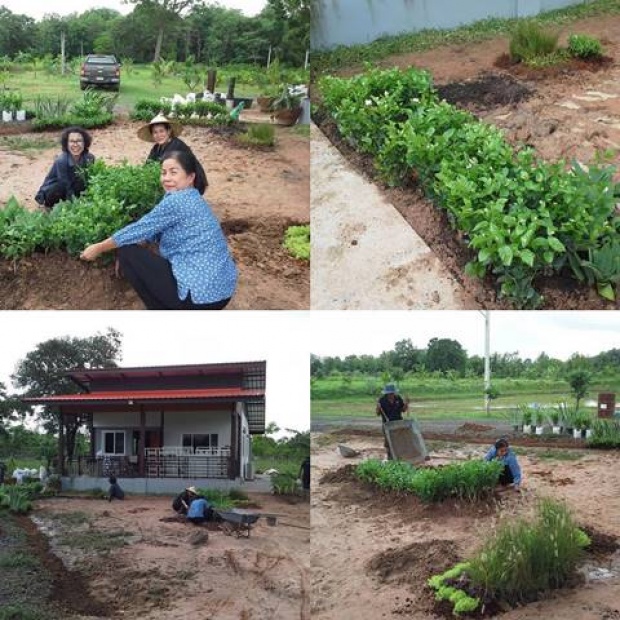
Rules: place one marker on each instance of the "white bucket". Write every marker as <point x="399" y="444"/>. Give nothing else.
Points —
<point x="588" y="433"/>
<point x="576" y="433"/>
<point x="20" y="115"/>
<point x="7" y="117"/>
<point x="527" y="429"/>
<point x="556" y="430"/>
<point x="539" y="430"/>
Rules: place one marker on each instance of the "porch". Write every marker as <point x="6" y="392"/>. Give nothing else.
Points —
<point x="166" y="462"/>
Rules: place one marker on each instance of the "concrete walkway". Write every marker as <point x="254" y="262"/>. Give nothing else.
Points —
<point x="364" y="254"/>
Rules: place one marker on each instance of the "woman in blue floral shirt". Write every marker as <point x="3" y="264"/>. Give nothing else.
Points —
<point x="194" y="269"/>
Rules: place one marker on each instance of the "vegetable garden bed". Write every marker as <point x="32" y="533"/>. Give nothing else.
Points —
<point x="517" y="219"/>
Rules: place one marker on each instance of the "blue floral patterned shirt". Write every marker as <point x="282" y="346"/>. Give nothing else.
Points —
<point x="190" y="237"/>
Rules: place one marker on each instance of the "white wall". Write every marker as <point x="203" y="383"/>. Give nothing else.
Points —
<point x="350" y="22"/>
<point x="178" y="422"/>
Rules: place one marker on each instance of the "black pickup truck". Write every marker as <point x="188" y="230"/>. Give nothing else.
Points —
<point x="100" y="70"/>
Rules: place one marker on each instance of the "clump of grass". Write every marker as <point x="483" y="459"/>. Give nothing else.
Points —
<point x="525" y="558"/>
<point x="522" y="561"/>
<point x="262" y="134"/>
<point x="238" y="495"/>
<point x="94" y="540"/>
<point x="530" y="41"/>
<point x="584" y="46"/>
<point x="297" y="241"/>
<point x="21" y="143"/>
<point x="21" y="612"/>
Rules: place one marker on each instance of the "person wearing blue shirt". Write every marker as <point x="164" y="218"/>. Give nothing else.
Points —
<point x="199" y="510"/>
<point x="511" y="475"/>
<point x="194" y="269"/>
<point x="65" y="179"/>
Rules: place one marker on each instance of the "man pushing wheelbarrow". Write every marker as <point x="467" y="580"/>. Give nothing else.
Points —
<point x="390" y="407"/>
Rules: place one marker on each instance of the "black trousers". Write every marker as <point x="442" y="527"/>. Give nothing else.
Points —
<point x="506" y="477"/>
<point x="52" y="195"/>
<point x="152" y="278"/>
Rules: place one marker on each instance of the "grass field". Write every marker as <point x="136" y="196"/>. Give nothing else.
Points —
<point x="134" y="86"/>
<point x="442" y="398"/>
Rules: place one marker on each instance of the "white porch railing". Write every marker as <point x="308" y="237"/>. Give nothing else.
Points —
<point x="179" y="462"/>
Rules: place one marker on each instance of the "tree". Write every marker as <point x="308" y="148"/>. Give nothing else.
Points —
<point x="444" y="354"/>
<point x="579" y="381"/>
<point x="165" y="13"/>
<point x="43" y="372"/>
<point x="406" y="356"/>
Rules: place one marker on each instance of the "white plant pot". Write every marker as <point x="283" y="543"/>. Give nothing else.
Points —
<point x="588" y="433"/>
<point x="7" y="117"/>
<point x="20" y="115"/>
<point x="527" y="429"/>
<point x="576" y="433"/>
<point x="556" y="430"/>
<point x="539" y="430"/>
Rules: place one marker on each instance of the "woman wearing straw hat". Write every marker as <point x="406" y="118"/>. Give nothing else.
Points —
<point x="165" y="132"/>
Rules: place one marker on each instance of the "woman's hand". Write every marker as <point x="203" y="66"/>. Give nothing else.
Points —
<point x="91" y="252"/>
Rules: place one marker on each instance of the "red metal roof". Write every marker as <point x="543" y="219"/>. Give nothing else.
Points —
<point x="142" y="395"/>
<point x="85" y="375"/>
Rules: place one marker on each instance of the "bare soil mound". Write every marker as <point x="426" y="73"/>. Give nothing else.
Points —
<point x="414" y="563"/>
<point x="489" y="90"/>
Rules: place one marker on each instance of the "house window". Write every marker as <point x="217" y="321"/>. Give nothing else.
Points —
<point x="114" y="442"/>
<point x="194" y="441"/>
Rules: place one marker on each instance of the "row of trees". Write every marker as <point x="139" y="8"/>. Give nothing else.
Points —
<point x="174" y="29"/>
<point x="443" y="355"/>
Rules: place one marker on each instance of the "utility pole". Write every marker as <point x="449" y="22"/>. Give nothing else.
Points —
<point x="487" y="360"/>
<point x="63" y="63"/>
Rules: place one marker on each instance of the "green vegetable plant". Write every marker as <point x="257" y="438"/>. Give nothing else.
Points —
<point x="468" y="481"/>
<point x="297" y="241"/>
<point x="525" y="218"/>
<point x="584" y="46"/>
<point x="530" y="41"/>
<point x="605" y="434"/>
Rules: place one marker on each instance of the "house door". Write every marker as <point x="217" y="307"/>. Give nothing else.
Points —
<point x="153" y="439"/>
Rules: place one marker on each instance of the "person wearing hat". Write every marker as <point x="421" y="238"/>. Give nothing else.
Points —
<point x="511" y="475"/>
<point x="193" y="269"/>
<point x="164" y="133"/>
<point x="183" y="500"/>
<point x="390" y="407"/>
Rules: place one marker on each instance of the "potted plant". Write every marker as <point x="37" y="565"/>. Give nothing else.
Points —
<point x="527" y="422"/>
<point x="286" y="108"/>
<point x="539" y="422"/>
<point x="16" y="107"/>
<point x="6" y="105"/>
<point x="587" y="424"/>
<point x="270" y="83"/>
<point x="554" y="418"/>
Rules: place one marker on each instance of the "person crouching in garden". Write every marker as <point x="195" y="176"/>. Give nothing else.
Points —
<point x="182" y="502"/>
<point x="194" y="269"/>
<point x="66" y="177"/>
<point x="165" y="134"/>
<point x="511" y="474"/>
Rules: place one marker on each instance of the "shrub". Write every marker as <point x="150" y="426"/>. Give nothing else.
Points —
<point x="297" y="241"/>
<point x="605" y="434"/>
<point x="258" y="135"/>
<point x="467" y="481"/>
<point x="530" y="41"/>
<point x="584" y="46"/>
<point x="219" y="500"/>
<point x="284" y="484"/>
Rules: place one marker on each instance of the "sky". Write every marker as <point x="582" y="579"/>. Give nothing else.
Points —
<point x="38" y="8"/>
<point x="160" y="338"/>
<point x="559" y="334"/>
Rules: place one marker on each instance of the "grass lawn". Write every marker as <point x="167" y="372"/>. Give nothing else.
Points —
<point x="134" y="86"/>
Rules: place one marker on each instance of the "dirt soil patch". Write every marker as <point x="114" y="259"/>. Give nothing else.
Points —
<point x="489" y="90"/>
<point x="255" y="194"/>
<point x="170" y="570"/>
<point x="372" y="556"/>
<point x="569" y="113"/>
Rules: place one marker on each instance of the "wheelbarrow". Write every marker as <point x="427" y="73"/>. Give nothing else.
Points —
<point x="237" y="523"/>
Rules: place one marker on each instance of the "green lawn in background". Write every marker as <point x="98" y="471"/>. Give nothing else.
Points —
<point x="443" y="399"/>
<point x="134" y="86"/>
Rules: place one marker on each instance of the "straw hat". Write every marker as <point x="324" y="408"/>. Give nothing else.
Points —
<point x="192" y="490"/>
<point x="176" y="129"/>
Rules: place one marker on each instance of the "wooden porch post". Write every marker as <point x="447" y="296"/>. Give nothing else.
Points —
<point x="232" y="465"/>
<point x="142" y="442"/>
<point x="61" y="441"/>
<point x="91" y="430"/>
